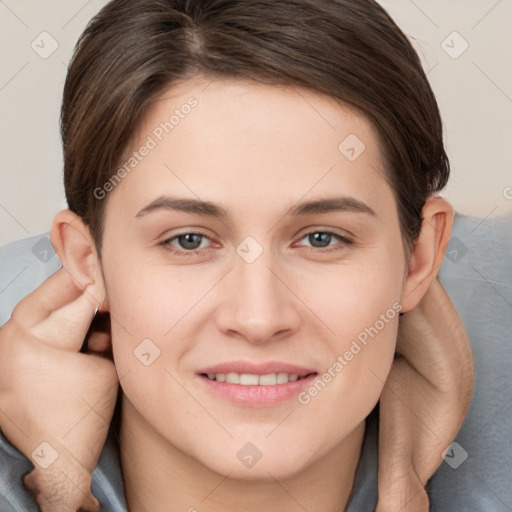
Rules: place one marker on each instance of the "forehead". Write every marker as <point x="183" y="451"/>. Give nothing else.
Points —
<point x="237" y="141"/>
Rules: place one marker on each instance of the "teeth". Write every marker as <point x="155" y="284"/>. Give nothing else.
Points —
<point x="268" y="380"/>
<point x="282" y="378"/>
<point x="249" y="379"/>
<point x="233" y="378"/>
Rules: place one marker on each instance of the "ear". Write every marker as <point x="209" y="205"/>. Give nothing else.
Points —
<point x="75" y="247"/>
<point x="428" y="251"/>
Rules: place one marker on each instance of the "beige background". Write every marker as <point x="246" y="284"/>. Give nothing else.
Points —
<point x="474" y="90"/>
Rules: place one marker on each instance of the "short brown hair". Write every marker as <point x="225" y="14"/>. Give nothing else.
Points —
<point x="351" y="50"/>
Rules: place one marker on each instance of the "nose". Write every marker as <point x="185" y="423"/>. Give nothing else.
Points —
<point x="261" y="304"/>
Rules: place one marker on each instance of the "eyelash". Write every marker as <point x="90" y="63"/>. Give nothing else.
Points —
<point x="166" y="244"/>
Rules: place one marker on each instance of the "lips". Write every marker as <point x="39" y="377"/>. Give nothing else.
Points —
<point x="256" y="384"/>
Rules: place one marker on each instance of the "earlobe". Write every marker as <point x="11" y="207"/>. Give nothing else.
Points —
<point x="76" y="249"/>
<point x="428" y="251"/>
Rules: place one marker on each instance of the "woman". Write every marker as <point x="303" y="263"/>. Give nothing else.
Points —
<point x="252" y="192"/>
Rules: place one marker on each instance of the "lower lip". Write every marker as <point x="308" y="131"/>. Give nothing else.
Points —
<point x="258" y="395"/>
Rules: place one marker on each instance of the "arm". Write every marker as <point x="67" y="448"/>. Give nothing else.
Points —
<point x="424" y="402"/>
<point x="48" y="389"/>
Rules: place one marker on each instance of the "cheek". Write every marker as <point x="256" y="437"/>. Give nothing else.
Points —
<point x="154" y="316"/>
<point x="152" y="300"/>
<point x="144" y="308"/>
<point x="359" y="308"/>
<point x="351" y="382"/>
<point x="353" y="298"/>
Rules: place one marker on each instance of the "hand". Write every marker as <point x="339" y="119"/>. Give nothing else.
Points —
<point x="424" y="402"/>
<point x="51" y="392"/>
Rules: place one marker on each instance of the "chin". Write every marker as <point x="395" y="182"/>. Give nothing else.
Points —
<point x="270" y="467"/>
<point x="261" y="459"/>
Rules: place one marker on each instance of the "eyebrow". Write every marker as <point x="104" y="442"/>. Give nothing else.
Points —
<point x="209" y="209"/>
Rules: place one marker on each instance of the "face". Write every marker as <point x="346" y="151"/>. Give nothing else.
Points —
<point x="254" y="268"/>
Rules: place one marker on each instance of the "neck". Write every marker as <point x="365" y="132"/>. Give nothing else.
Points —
<point x="155" y="472"/>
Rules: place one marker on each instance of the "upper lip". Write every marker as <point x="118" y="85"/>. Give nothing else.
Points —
<point x="253" y="368"/>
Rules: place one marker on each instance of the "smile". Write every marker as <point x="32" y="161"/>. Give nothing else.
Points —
<point x="251" y="379"/>
<point x="256" y="385"/>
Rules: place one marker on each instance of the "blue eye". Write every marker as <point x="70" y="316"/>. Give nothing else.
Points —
<point x="322" y="239"/>
<point x="189" y="242"/>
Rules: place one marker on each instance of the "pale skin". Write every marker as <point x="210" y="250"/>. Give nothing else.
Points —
<point x="257" y="151"/>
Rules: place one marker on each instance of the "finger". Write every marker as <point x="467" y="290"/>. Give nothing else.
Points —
<point x="67" y="327"/>
<point x="97" y="338"/>
<point x="56" y="292"/>
<point x="58" y="313"/>
<point x="446" y="360"/>
<point x="99" y="344"/>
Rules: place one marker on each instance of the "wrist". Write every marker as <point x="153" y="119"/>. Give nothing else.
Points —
<point x="65" y="486"/>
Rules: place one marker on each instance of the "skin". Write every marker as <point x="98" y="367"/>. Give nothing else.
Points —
<point x="257" y="151"/>
<point x="425" y="400"/>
